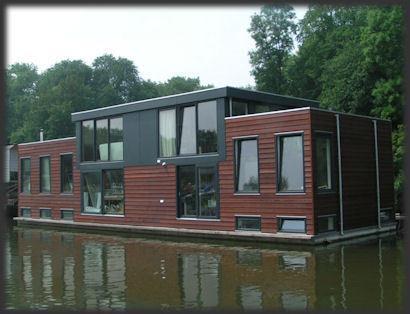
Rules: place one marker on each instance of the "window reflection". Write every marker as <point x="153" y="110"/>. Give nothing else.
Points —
<point x="294" y="301"/>
<point x="250" y="297"/>
<point x="293" y="262"/>
<point x="207" y="138"/>
<point x="188" y="131"/>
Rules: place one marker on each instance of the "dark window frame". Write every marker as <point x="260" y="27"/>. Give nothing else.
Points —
<point x="197" y="205"/>
<point x="101" y="178"/>
<point x="327" y="134"/>
<point x="61" y="173"/>
<point x="22" y="175"/>
<point x="280" y="220"/>
<point x="335" y="227"/>
<point x="178" y="128"/>
<point x="41" y="174"/>
<point x="95" y="139"/>
<point x="22" y="209"/>
<point x="236" y="140"/>
<point x="278" y="137"/>
<point x="45" y="209"/>
<point x="258" y="218"/>
<point x="63" y="210"/>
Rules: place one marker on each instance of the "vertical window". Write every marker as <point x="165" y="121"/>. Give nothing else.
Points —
<point x="101" y="139"/>
<point x="197" y="191"/>
<point x="92" y="192"/>
<point x="207" y="137"/>
<point x="246" y="166"/>
<point x="207" y="192"/>
<point x="323" y="165"/>
<point x="87" y="133"/>
<point x="167" y="133"/>
<point x="66" y="168"/>
<point x="45" y="176"/>
<point x="116" y="139"/>
<point x="290" y="163"/>
<point x="187" y="190"/>
<point x="113" y="192"/>
<point x="25" y="175"/>
<point x="187" y="142"/>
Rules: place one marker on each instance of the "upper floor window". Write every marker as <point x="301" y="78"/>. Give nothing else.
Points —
<point x="323" y="158"/>
<point x="237" y="107"/>
<point x="246" y="165"/>
<point x="102" y="139"/>
<point x="188" y="130"/>
<point x="66" y="168"/>
<point x="25" y="173"/>
<point x="290" y="163"/>
<point x="45" y="174"/>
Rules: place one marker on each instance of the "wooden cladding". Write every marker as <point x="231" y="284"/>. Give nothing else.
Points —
<point x="55" y="200"/>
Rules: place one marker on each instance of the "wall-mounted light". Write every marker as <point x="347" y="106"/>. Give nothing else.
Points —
<point x="164" y="164"/>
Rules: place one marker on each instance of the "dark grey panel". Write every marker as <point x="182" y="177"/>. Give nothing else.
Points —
<point x="92" y="166"/>
<point x="193" y="160"/>
<point x="78" y="143"/>
<point x="132" y="137"/>
<point x="221" y="127"/>
<point x="148" y="147"/>
<point x="196" y="96"/>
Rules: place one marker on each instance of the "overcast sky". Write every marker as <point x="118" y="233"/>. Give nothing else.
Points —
<point x="211" y="43"/>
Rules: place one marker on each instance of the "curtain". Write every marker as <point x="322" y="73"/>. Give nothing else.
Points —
<point x="167" y="129"/>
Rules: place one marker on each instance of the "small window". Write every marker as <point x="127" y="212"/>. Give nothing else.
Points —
<point x="167" y="133"/>
<point x="92" y="192"/>
<point x="248" y="223"/>
<point x="25" y="175"/>
<point x="323" y="154"/>
<point x="67" y="214"/>
<point x="297" y="225"/>
<point x="326" y="223"/>
<point x="246" y="166"/>
<point x="45" y="213"/>
<point x="207" y="127"/>
<point x="290" y="163"/>
<point x="66" y="168"/>
<point x="45" y="175"/>
<point x="87" y="138"/>
<point x="25" y="212"/>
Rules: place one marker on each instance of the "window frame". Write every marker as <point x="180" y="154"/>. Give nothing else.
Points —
<point x="25" y="209"/>
<point x="178" y="128"/>
<point x="326" y="134"/>
<point x="108" y="118"/>
<point x="62" y="210"/>
<point x="61" y="173"/>
<point x="280" y="219"/>
<point x="251" y="217"/>
<point x="22" y="159"/>
<point x="43" y="209"/>
<point x="101" y="190"/>
<point x="278" y="137"/>
<point x="40" y="174"/>
<point x="335" y="227"/>
<point x="197" y="205"/>
<point x="236" y="140"/>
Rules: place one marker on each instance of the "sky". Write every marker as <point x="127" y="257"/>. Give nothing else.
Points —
<point x="211" y="43"/>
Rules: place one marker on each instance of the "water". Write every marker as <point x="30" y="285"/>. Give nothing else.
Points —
<point x="76" y="270"/>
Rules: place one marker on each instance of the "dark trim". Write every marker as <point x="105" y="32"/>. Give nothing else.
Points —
<point x="196" y="96"/>
<point x="329" y="135"/>
<point x="278" y="136"/>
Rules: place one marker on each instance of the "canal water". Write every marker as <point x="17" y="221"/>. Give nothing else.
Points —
<point x="76" y="270"/>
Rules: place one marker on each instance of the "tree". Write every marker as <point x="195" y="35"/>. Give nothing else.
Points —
<point x="272" y="29"/>
<point x="180" y="84"/>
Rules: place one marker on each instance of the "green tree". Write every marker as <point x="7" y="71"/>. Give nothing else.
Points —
<point x="180" y="84"/>
<point x="272" y="30"/>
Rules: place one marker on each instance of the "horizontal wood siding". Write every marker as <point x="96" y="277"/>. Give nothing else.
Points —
<point x="359" y="172"/>
<point x="386" y="173"/>
<point x="268" y="204"/>
<point x="327" y="203"/>
<point x="54" y="200"/>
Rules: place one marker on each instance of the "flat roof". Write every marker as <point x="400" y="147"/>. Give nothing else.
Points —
<point x="195" y="96"/>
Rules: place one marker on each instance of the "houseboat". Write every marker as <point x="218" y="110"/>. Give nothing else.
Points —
<point x="217" y="163"/>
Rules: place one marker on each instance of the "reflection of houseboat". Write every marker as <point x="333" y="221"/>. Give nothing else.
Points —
<point x="222" y="162"/>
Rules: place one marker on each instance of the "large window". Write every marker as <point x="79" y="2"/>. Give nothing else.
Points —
<point x="246" y="166"/>
<point x="25" y="172"/>
<point x="45" y="175"/>
<point x="188" y="130"/>
<point x="103" y="192"/>
<point x="323" y="164"/>
<point x="197" y="191"/>
<point x="66" y="168"/>
<point x="102" y="139"/>
<point x="290" y="163"/>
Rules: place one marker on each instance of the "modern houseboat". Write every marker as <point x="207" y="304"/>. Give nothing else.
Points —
<point x="216" y="163"/>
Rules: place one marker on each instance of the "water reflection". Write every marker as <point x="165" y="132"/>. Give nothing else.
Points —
<point x="56" y="269"/>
